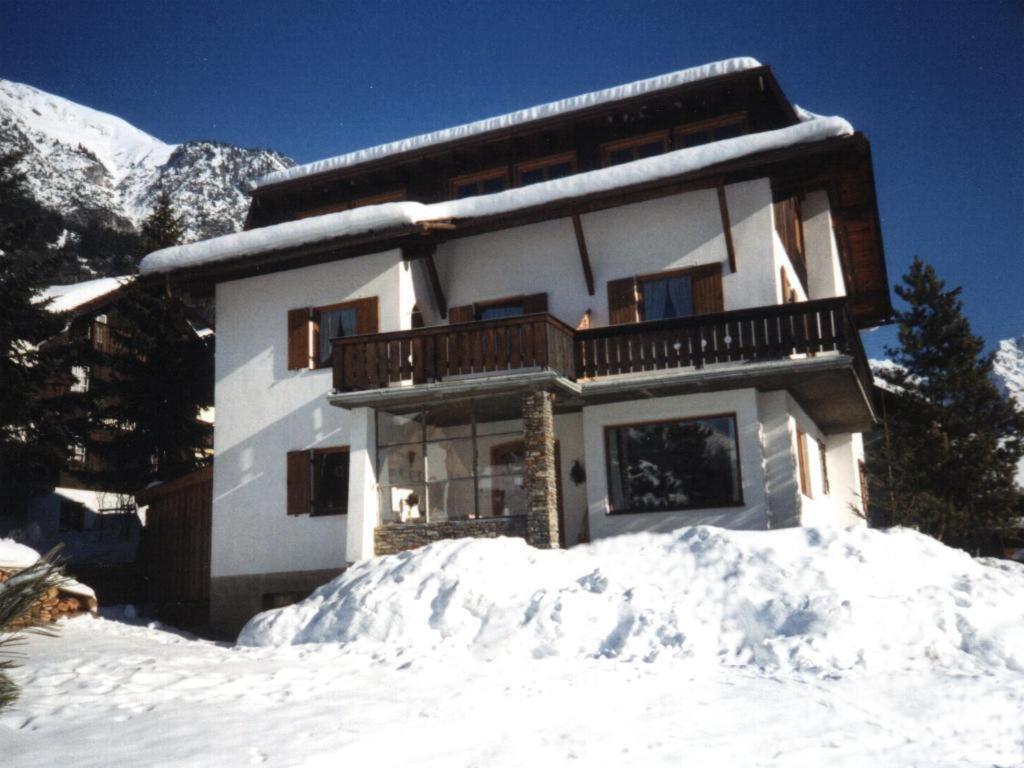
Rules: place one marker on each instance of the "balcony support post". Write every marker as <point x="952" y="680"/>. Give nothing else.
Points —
<point x="539" y="470"/>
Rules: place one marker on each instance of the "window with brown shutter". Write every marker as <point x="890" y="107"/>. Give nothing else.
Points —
<point x="623" y="306"/>
<point x="299" y="483"/>
<point x="317" y="481"/>
<point x="298" y="339"/>
<point x="463" y="314"/>
<point x="492" y="310"/>
<point x="788" y="294"/>
<point x="824" y="468"/>
<point x="801" y="455"/>
<point x="310" y="330"/>
<point x="790" y="228"/>
<point x="666" y="295"/>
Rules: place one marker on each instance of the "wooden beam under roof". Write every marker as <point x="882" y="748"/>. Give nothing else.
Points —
<point x="581" y="243"/>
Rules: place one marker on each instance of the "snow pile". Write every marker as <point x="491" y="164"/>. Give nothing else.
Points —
<point x="799" y="599"/>
<point x="65" y="298"/>
<point x="519" y="117"/>
<point x="16" y="555"/>
<point x="386" y="216"/>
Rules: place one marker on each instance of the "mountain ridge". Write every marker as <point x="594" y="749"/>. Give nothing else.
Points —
<point x="92" y="167"/>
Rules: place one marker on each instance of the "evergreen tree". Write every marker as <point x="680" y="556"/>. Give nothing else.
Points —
<point x="32" y="435"/>
<point x="157" y="377"/>
<point x="947" y="463"/>
<point x="163" y="227"/>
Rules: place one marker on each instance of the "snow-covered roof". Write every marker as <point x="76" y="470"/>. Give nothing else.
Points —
<point x="387" y="216"/>
<point x="519" y="117"/>
<point x="68" y="297"/>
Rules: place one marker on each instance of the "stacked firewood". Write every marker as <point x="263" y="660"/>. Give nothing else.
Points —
<point x="55" y="604"/>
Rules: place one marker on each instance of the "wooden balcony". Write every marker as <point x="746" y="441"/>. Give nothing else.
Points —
<point x="444" y="352"/>
<point x="540" y="341"/>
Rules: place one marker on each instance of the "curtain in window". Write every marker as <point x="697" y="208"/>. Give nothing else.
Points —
<point x="680" y="295"/>
<point x="655" y="299"/>
<point x="339" y="322"/>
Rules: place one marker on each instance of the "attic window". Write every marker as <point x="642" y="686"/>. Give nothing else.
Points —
<point x="481" y="183"/>
<point x="394" y="196"/>
<point x="715" y="129"/>
<point x="546" y="168"/>
<point x="634" y="148"/>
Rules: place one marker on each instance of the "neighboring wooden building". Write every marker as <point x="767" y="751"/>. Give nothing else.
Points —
<point x="636" y="309"/>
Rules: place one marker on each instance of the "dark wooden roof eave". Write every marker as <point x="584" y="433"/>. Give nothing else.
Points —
<point x="532" y="126"/>
<point x="824" y="165"/>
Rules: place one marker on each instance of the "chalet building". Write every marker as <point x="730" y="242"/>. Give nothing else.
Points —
<point x="632" y="310"/>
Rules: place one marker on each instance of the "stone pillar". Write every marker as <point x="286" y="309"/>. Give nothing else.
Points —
<point x="539" y="471"/>
<point x="363" y="512"/>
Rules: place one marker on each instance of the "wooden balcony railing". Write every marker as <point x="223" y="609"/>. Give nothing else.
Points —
<point x="433" y="354"/>
<point x="541" y="341"/>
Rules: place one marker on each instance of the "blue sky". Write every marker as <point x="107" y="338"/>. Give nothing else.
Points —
<point x="936" y="86"/>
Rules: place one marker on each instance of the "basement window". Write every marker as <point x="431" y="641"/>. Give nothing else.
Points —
<point x="674" y="465"/>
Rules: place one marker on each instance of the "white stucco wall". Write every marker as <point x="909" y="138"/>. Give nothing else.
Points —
<point x="753" y="514"/>
<point x="667" y="233"/>
<point x="824" y="273"/>
<point x="264" y="410"/>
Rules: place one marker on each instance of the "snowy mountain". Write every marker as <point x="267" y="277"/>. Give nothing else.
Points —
<point x="92" y="167"/>
<point x="1008" y="369"/>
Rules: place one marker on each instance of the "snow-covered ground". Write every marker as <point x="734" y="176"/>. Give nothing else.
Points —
<point x="786" y="648"/>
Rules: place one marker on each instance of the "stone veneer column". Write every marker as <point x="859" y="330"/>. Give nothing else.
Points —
<point x="539" y="471"/>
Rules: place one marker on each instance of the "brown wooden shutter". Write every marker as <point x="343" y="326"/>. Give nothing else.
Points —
<point x="298" y="482"/>
<point x="787" y="291"/>
<point x="622" y="301"/>
<point x="535" y="302"/>
<point x="801" y="455"/>
<point x="298" y="339"/>
<point x="707" y="290"/>
<point x="367" y="315"/>
<point x="463" y="314"/>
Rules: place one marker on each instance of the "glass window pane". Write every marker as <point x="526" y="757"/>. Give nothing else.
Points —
<point x="728" y="131"/>
<point x="402" y="504"/>
<point x="497" y="184"/>
<point x="334" y="323"/>
<point x="451" y="420"/>
<point x="400" y="464"/>
<point x="559" y="170"/>
<point x="399" y="428"/>
<point x="693" y="139"/>
<point x="619" y="156"/>
<point x="452" y="500"/>
<point x="466" y="190"/>
<point x="331" y="483"/>
<point x="500" y="454"/>
<point x="674" y="465"/>
<point x="667" y="298"/>
<point x="448" y="459"/>
<point x="502" y="496"/>
<point x="531" y="176"/>
<point x="650" y="149"/>
<point x="498" y="311"/>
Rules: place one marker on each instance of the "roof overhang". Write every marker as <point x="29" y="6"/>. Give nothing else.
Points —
<point x="841" y="166"/>
<point x="762" y="76"/>
<point x="826" y="387"/>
